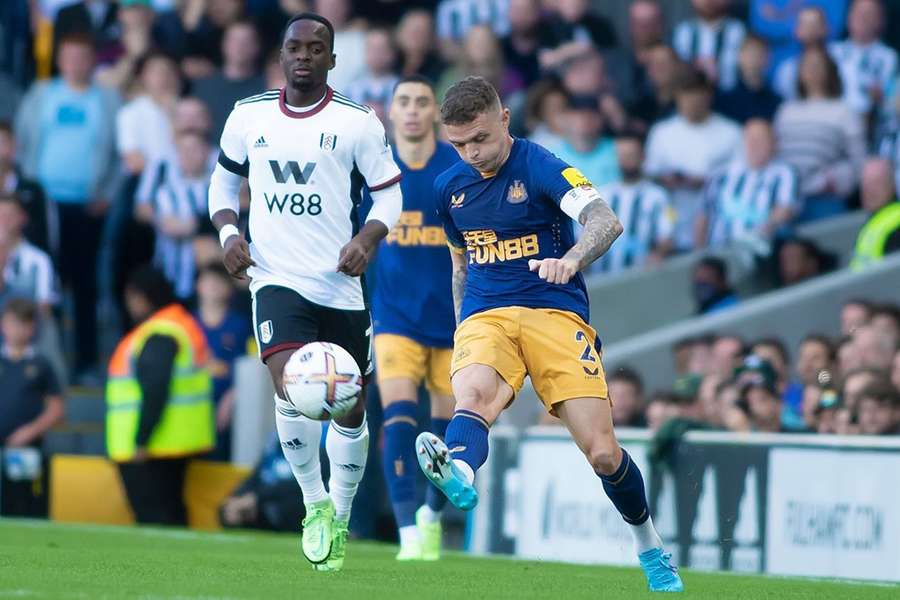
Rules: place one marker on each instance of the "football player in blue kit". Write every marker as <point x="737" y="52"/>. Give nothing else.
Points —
<point x="412" y="309"/>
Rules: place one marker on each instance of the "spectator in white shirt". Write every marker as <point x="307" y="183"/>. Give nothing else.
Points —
<point x="867" y="65"/>
<point x="642" y="207"/>
<point x="822" y="137"/>
<point x="144" y="125"/>
<point x="683" y="149"/>
<point x="811" y="29"/>
<point x="377" y="86"/>
<point x="753" y="196"/>
<point x="711" y="42"/>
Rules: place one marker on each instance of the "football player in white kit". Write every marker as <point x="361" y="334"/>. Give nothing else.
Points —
<point x="307" y="150"/>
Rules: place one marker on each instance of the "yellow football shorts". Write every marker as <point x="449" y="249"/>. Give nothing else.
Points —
<point x="399" y="356"/>
<point x="556" y="348"/>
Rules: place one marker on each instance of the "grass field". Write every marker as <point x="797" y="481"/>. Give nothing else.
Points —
<point x="44" y="560"/>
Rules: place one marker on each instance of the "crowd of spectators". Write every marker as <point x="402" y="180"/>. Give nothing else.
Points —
<point x="847" y="385"/>
<point x="724" y="128"/>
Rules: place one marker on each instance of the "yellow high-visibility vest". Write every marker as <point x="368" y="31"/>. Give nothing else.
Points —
<point x="874" y="235"/>
<point x="186" y="425"/>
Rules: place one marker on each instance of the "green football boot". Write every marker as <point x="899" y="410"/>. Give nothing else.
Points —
<point x="318" y="526"/>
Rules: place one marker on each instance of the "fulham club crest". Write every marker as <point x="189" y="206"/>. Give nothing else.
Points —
<point x="328" y="141"/>
<point x="265" y="332"/>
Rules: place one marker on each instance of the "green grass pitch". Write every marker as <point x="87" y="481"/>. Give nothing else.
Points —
<point x="46" y="560"/>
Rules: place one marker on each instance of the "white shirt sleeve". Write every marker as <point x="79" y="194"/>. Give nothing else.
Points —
<point x="127" y="134"/>
<point x="233" y="144"/>
<point x="373" y="156"/>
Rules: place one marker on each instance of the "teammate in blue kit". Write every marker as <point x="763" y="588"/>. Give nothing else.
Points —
<point x="413" y="315"/>
<point x="522" y="308"/>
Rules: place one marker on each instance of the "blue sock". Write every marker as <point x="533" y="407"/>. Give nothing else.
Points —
<point x="399" y="459"/>
<point x="467" y="438"/>
<point x="625" y="488"/>
<point x="433" y="497"/>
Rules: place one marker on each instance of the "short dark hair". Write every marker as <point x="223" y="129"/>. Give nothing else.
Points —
<point x="752" y="38"/>
<point x="311" y="16"/>
<point x="887" y="310"/>
<point x="628" y="375"/>
<point x="153" y="285"/>
<point x="7" y="127"/>
<point x="79" y="38"/>
<point x="866" y="304"/>
<point x="155" y="54"/>
<point x="467" y="99"/>
<point x="882" y="392"/>
<point x="214" y="268"/>
<point x="21" y="308"/>
<point x="415" y="78"/>
<point x="822" y="340"/>
<point x="692" y="79"/>
<point x="12" y="198"/>
<point x="776" y="343"/>
<point x="833" y="86"/>
<point x="716" y="264"/>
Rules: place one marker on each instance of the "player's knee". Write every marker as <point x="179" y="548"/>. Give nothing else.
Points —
<point x="475" y="397"/>
<point x="604" y="455"/>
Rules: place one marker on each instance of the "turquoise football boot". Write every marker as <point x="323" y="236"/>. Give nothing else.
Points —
<point x="662" y="576"/>
<point x="434" y="459"/>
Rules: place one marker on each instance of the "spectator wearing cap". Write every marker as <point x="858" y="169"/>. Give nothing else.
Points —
<point x="880" y="234"/>
<point x="58" y="121"/>
<point x="754" y="196"/>
<point x="239" y="77"/>
<point x="626" y="389"/>
<point x="879" y="410"/>
<point x="751" y="97"/>
<point x="759" y="396"/>
<point x="41" y="214"/>
<point x="642" y="207"/>
<point x="710" y="286"/>
<point x="713" y="141"/>
<point x="820" y="136"/>
<point x="586" y="147"/>
<point x="810" y="29"/>
<point x="711" y="41"/>
<point x="866" y="64"/>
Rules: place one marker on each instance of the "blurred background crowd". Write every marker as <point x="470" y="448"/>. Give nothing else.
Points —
<point x="706" y="123"/>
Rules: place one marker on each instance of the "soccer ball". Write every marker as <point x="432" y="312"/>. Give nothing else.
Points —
<point x="322" y="381"/>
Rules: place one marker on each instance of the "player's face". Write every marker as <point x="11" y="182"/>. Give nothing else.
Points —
<point x="483" y="142"/>
<point x="413" y="111"/>
<point x="306" y="55"/>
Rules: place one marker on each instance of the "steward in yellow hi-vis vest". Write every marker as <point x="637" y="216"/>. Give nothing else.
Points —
<point x="159" y="405"/>
<point x="186" y="424"/>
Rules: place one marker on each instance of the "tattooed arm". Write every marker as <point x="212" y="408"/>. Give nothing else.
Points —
<point x="601" y="228"/>
<point x="458" y="285"/>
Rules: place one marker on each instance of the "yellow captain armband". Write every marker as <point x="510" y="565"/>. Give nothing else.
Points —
<point x="456" y="249"/>
<point x="575" y="177"/>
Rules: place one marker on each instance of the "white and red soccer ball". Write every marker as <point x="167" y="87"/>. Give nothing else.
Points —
<point x="322" y="381"/>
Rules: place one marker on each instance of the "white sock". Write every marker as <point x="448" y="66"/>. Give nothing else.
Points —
<point x="645" y="536"/>
<point x="429" y="515"/>
<point x="409" y="535"/>
<point x="347" y="452"/>
<point x="300" y="439"/>
<point x="465" y="468"/>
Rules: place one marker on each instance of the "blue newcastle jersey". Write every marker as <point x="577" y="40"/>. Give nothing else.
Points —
<point x="412" y="294"/>
<point x="506" y="219"/>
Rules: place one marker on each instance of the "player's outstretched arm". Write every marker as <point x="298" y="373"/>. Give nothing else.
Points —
<point x="601" y="228"/>
<point x="458" y="282"/>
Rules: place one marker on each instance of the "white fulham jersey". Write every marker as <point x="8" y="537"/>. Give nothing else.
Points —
<point x="306" y="171"/>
